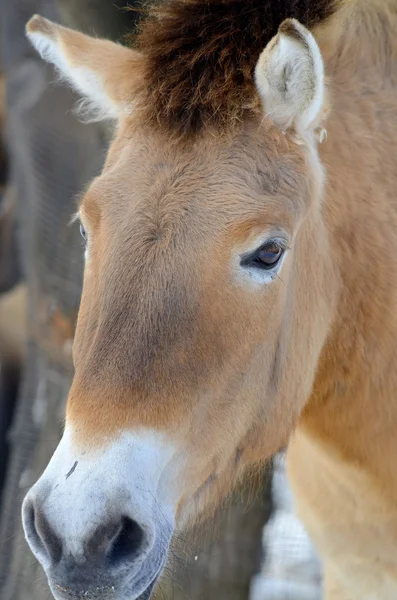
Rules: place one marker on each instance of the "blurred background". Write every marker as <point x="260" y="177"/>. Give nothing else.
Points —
<point x="255" y="548"/>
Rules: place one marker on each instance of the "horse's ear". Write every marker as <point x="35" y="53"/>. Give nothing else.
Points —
<point x="290" y="78"/>
<point x="102" y="71"/>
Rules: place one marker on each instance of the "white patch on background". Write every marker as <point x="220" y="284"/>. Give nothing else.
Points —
<point x="25" y="479"/>
<point x="40" y="403"/>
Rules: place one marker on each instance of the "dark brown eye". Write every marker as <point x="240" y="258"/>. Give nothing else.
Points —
<point x="269" y="254"/>
<point x="266" y="257"/>
<point x="83" y="232"/>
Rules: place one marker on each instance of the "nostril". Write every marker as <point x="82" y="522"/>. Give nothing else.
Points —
<point x="39" y="534"/>
<point x="127" y="542"/>
<point x="31" y="530"/>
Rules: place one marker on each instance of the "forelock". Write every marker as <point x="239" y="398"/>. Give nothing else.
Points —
<point x="199" y="58"/>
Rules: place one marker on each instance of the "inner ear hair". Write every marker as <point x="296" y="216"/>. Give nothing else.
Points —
<point x="290" y="80"/>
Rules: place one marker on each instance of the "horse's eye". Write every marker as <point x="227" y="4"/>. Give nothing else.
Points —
<point x="269" y="255"/>
<point x="83" y="232"/>
<point x="266" y="257"/>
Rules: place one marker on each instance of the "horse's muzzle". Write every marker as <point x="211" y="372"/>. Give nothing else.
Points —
<point x="97" y="523"/>
<point x="118" y="561"/>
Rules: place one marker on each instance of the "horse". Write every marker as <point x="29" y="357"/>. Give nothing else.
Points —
<point x="240" y="289"/>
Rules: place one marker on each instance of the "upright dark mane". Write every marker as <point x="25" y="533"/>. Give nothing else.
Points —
<point x="200" y="56"/>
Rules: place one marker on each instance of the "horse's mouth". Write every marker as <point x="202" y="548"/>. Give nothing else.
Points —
<point x="65" y="592"/>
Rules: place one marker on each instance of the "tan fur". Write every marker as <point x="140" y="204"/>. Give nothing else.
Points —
<point x="169" y="337"/>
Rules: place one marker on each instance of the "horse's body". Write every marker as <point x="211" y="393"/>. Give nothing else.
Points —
<point x="342" y="458"/>
<point x="190" y="369"/>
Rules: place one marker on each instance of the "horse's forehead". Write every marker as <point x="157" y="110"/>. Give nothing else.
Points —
<point x="146" y="173"/>
<point x="162" y="166"/>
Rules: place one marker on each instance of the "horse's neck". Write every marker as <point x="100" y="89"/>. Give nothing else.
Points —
<point x="355" y="393"/>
